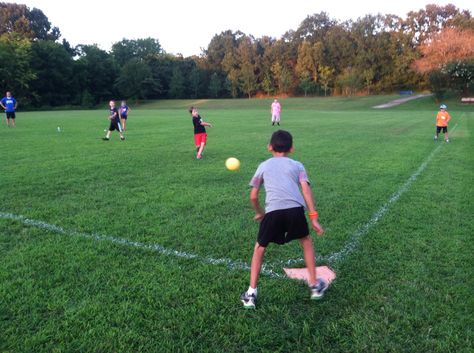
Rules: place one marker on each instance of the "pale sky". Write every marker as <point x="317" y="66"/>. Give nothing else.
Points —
<point x="186" y="26"/>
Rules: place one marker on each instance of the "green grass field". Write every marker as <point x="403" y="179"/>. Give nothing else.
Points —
<point x="136" y="246"/>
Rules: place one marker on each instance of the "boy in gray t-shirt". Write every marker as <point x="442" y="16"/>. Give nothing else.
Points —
<point x="283" y="219"/>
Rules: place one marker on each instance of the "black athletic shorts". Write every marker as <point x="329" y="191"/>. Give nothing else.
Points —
<point x="123" y="116"/>
<point x="10" y="115"/>
<point x="115" y="126"/>
<point x="282" y="226"/>
<point x="438" y="129"/>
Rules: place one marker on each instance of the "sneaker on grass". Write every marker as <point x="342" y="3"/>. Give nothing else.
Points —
<point x="249" y="301"/>
<point x="317" y="291"/>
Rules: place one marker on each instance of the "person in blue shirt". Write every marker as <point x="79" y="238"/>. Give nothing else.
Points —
<point x="9" y="104"/>
<point x="124" y="110"/>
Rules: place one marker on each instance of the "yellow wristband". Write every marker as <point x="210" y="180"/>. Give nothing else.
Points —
<point x="313" y="215"/>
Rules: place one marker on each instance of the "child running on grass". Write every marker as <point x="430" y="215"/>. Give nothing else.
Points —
<point x="114" y="118"/>
<point x="200" y="135"/>
<point x="283" y="219"/>
<point x="442" y="120"/>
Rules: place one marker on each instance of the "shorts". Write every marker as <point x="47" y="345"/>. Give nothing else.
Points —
<point x="124" y="116"/>
<point x="114" y="125"/>
<point x="200" y="138"/>
<point x="10" y="115"/>
<point x="282" y="226"/>
<point x="438" y="129"/>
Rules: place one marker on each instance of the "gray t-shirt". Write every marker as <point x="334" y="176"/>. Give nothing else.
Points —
<point x="281" y="178"/>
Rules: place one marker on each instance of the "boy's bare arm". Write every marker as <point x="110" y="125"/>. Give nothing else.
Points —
<point x="259" y="213"/>
<point x="308" y="198"/>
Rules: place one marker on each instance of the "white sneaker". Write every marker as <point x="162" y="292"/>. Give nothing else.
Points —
<point x="317" y="291"/>
<point x="249" y="300"/>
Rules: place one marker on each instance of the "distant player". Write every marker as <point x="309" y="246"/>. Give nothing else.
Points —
<point x="283" y="219"/>
<point x="275" y="110"/>
<point x="9" y="104"/>
<point x="442" y="120"/>
<point x="124" y="110"/>
<point x="114" y="118"/>
<point x="200" y="135"/>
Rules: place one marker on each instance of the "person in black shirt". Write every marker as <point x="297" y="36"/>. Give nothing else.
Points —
<point x="200" y="136"/>
<point x="114" y="118"/>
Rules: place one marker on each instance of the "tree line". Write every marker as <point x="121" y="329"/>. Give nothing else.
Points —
<point x="373" y="54"/>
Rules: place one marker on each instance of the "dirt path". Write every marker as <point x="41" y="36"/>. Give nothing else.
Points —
<point x="400" y="101"/>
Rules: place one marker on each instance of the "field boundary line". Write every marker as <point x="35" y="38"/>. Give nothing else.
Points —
<point x="231" y="264"/>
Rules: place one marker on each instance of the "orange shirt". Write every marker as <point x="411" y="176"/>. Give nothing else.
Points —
<point x="442" y="118"/>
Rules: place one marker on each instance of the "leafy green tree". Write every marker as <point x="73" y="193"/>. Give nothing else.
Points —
<point x="325" y="77"/>
<point x="53" y="67"/>
<point x="16" y="73"/>
<point x="248" y="59"/>
<point x="439" y="84"/>
<point x="195" y="81"/>
<point x="135" y="80"/>
<point x="349" y="82"/>
<point x="177" y="88"/>
<point x="98" y="72"/>
<point x="461" y="74"/>
<point x="215" y="85"/>
<point x="267" y="84"/>
<point x="142" y="49"/>
<point x="306" y="84"/>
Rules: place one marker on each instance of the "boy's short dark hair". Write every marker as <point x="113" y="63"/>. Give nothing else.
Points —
<point x="191" y="110"/>
<point x="281" y="141"/>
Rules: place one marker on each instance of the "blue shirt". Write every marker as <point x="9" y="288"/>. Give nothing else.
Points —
<point x="124" y="110"/>
<point x="9" y="104"/>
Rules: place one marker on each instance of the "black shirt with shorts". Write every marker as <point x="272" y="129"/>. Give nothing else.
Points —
<point x="115" y="120"/>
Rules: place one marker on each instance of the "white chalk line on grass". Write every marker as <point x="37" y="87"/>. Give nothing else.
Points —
<point x="232" y="264"/>
<point x="354" y="239"/>
<point x="332" y="259"/>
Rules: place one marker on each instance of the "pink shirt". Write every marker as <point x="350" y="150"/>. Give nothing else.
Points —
<point x="276" y="108"/>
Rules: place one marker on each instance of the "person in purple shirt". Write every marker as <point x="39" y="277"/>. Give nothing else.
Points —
<point x="9" y="104"/>
<point x="124" y="110"/>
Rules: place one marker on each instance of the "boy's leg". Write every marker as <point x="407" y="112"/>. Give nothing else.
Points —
<point x="256" y="265"/>
<point x="201" y="149"/>
<point x="249" y="297"/>
<point x="308" y="253"/>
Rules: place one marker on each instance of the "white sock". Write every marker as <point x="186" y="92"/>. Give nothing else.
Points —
<point x="251" y="291"/>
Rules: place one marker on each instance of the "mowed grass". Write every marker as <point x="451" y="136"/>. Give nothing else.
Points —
<point x="95" y="287"/>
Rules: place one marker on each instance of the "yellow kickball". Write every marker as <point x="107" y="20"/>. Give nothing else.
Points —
<point x="232" y="163"/>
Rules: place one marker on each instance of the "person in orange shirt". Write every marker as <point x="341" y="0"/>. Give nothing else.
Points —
<point x="442" y="120"/>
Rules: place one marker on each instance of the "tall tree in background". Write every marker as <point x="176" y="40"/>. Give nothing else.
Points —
<point x="53" y="67"/>
<point x="177" y="84"/>
<point x="142" y="49"/>
<point x="248" y="66"/>
<point x="32" y="24"/>
<point x="306" y="68"/>
<point x="16" y="73"/>
<point x="99" y="71"/>
<point x="135" y="80"/>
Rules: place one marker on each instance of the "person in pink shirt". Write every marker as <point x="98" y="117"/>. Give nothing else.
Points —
<point x="275" y="110"/>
